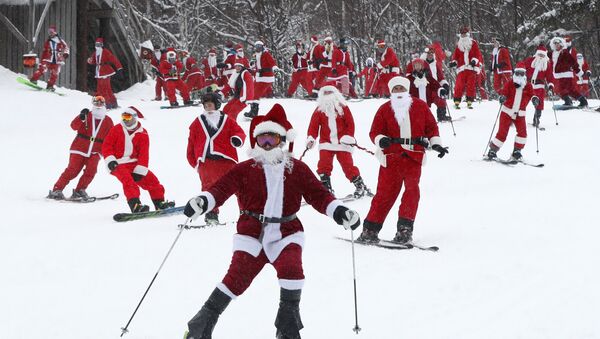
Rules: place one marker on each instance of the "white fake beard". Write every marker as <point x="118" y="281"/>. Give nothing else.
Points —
<point x="401" y="104"/>
<point x="99" y="112"/>
<point x="132" y="127"/>
<point x="212" y="117"/>
<point x="465" y="44"/>
<point x="56" y="39"/>
<point x="331" y="104"/>
<point x="580" y="63"/>
<point x="521" y="80"/>
<point x="420" y="82"/>
<point x="98" y="50"/>
<point x="540" y="63"/>
<point x="233" y="79"/>
<point x="212" y="61"/>
<point x="274" y="156"/>
<point x="240" y="54"/>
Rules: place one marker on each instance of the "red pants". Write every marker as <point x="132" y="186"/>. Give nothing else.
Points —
<point x="104" y="89"/>
<point x="149" y="182"/>
<point x="261" y="89"/>
<point x="540" y="93"/>
<point x="179" y="85"/>
<point x="212" y="170"/>
<point x="584" y="89"/>
<point x="321" y="77"/>
<point x="76" y="164"/>
<point x="159" y="88"/>
<point x="465" y="80"/>
<point x="400" y="170"/>
<point x="195" y="82"/>
<point x="302" y="78"/>
<point x="500" y="80"/>
<point x="44" y="66"/>
<point x="325" y="164"/>
<point x="505" y="122"/>
<point x="565" y="86"/>
<point x="233" y="108"/>
<point x="244" y="267"/>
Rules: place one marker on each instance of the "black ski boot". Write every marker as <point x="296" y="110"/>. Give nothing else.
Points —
<point x="326" y="181"/>
<point x="568" y="101"/>
<point x="457" y="103"/>
<point x="492" y="154"/>
<point x="188" y="102"/>
<point x="536" y="117"/>
<point x="161" y="204"/>
<point x="174" y="104"/>
<point x="470" y="102"/>
<point x="582" y="102"/>
<point x="441" y="114"/>
<point x="516" y="155"/>
<point x="369" y="232"/>
<point x="50" y="88"/>
<point x="288" y="322"/>
<point x="253" y="111"/>
<point x="361" y="188"/>
<point x="404" y="233"/>
<point x="136" y="206"/>
<point x="203" y="323"/>
<point x="56" y="195"/>
<point x="211" y="218"/>
<point x="80" y="195"/>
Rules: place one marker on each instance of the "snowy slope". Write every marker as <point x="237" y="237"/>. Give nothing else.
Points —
<point x="518" y="254"/>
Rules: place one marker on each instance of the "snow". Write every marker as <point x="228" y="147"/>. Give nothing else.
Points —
<point x="518" y="255"/>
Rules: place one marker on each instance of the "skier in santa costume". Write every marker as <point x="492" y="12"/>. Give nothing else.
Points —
<point x="466" y="58"/>
<point x="402" y="128"/>
<point x="426" y="88"/>
<point x="501" y="66"/>
<point x="126" y="154"/>
<point x="269" y="188"/>
<point x="564" y="66"/>
<point x="92" y="127"/>
<point x="514" y="99"/>
<point x="106" y="65"/>
<point x="300" y="74"/>
<point x="209" y="67"/>
<point x="242" y="84"/>
<point x="388" y="66"/>
<point x="171" y="69"/>
<point x="212" y="144"/>
<point x="437" y="73"/>
<point x="539" y="74"/>
<point x="583" y="82"/>
<point x="369" y="73"/>
<point x="56" y="51"/>
<point x="333" y="124"/>
<point x="315" y="58"/>
<point x="193" y="77"/>
<point x="265" y="67"/>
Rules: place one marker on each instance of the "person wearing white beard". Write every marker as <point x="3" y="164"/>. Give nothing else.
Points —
<point x="403" y="128"/>
<point x="269" y="188"/>
<point x="333" y="124"/>
<point x="56" y="52"/>
<point x="539" y="74"/>
<point x="467" y="59"/>
<point x="212" y="146"/>
<point x="106" y="66"/>
<point x="92" y="126"/>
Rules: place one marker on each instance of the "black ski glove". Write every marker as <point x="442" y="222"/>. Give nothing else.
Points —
<point x="502" y="99"/>
<point x="423" y="141"/>
<point x="83" y="114"/>
<point x="137" y="177"/>
<point x="440" y="149"/>
<point x="236" y="141"/>
<point x="196" y="207"/>
<point x="447" y="88"/>
<point x="535" y="101"/>
<point x="473" y="63"/>
<point x="346" y="217"/>
<point x="221" y="65"/>
<point x="452" y="64"/>
<point x="112" y="165"/>
<point x="385" y="142"/>
<point x="443" y="92"/>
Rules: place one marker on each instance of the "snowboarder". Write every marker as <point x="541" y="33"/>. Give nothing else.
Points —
<point x="193" y="77"/>
<point x="402" y="128"/>
<point x="333" y="124"/>
<point x="209" y="67"/>
<point x="514" y="98"/>
<point x="92" y="126"/>
<point x="300" y="74"/>
<point x="126" y="154"/>
<point x="369" y="72"/>
<point x="388" y="66"/>
<point x="56" y="51"/>
<point x="269" y="188"/>
<point x="539" y="75"/>
<point x="264" y="67"/>
<point x="583" y="82"/>
<point x="171" y="69"/>
<point x="212" y="143"/>
<point x="242" y="84"/>
<point x="466" y="58"/>
<point x="107" y="65"/>
<point x="426" y="88"/>
<point x="501" y="65"/>
<point x="564" y="66"/>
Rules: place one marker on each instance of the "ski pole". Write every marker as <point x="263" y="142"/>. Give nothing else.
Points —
<point x="493" y="128"/>
<point x="450" y="115"/>
<point x="362" y="148"/>
<point x="594" y="87"/>
<point x="537" y="143"/>
<point x="303" y="153"/>
<point x="356" y="328"/>
<point x="553" y="101"/>
<point x="124" y="329"/>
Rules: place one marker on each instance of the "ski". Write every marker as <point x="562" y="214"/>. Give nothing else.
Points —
<point x="180" y="106"/>
<point x="511" y="163"/>
<point x="123" y="217"/>
<point x="30" y="84"/>
<point x="564" y="107"/>
<point x="412" y="245"/>
<point x="379" y="244"/>
<point x="459" y="118"/>
<point x="347" y="198"/>
<point x="92" y="199"/>
<point x="187" y="227"/>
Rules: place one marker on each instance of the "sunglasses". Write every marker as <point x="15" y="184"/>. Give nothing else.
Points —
<point x="127" y="116"/>
<point x="268" y="140"/>
<point x="520" y="73"/>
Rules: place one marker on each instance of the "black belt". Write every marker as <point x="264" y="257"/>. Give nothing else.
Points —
<point x="267" y="220"/>
<point x="83" y="136"/>
<point x="408" y="141"/>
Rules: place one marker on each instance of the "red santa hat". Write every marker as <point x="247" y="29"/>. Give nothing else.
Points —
<point x="229" y="44"/>
<point x="541" y="49"/>
<point x="239" y="47"/>
<point x="100" y="40"/>
<point x="314" y="39"/>
<point x="520" y="66"/>
<point x="212" y="50"/>
<point x="328" y="39"/>
<point x="276" y="122"/>
<point x="464" y="30"/>
<point x="134" y="111"/>
<point x="52" y="29"/>
<point x="398" y="80"/>
<point x="380" y="43"/>
<point x="568" y="39"/>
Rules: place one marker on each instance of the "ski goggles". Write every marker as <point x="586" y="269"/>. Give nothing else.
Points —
<point x="520" y="73"/>
<point x="98" y="101"/>
<point x="127" y="116"/>
<point x="268" y="140"/>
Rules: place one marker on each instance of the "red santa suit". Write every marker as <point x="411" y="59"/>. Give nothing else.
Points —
<point x="480" y="82"/>
<point x="265" y="66"/>
<point x="56" y="51"/>
<point x="243" y="87"/>
<point x="209" y="67"/>
<point x="130" y="149"/>
<point x="583" y="82"/>
<point x="539" y="74"/>
<point x="171" y="73"/>
<point x="424" y="87"/>
<point x="160" y="86"/>
<point x="501" y="67"/>
<point x="400" y="162"/>
<point x="369" y="73"/>
<point x="513" y="112"/>
<point x="329" y="57"/>
<point x="342" y="65"/>
<point x="106" y="65"/>
<point x="300" y="74"/>
<point x="335" y="131"/>
<point x="85" y="148"/>
<point x="467" y="58"/>
<point x="389" y="67"/>
<point x="564" y="66"/>
<point x="193" y="77"/>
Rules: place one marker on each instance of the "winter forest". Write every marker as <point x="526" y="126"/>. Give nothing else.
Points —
<point x="407" y="26"/>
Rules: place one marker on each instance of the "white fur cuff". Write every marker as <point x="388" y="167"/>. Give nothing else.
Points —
<point x="141" y="170"/>
<point x="331" y="207"/>
<point x="377" y="139"/>
<point x="348" y="140"/>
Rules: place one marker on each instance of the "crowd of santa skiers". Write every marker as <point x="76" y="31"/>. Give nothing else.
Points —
<point x="271" y="185"/>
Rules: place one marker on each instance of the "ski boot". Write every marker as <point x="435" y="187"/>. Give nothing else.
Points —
<point x="161" y="204"/>
<point x="56" y="195"/>
<point x="404" y="233"/>
<point x="253" y="111"/>
<point x="188" y="102"/>
<point x="80" y="195"/>
<point x="582" y="102"/>
<point x="211" y="218"/>
<point x="536" y="117"/>
<point x="203" y="323"/>
<point x="469" y="103"/>
<point x="33" y="81"/>
<point x="441" y="114"/>
<point x="50" y="88"/>
<point x="136" y="206"/>
<point x="568" y="101"/>
<point x="456" y="103"/>
<point x="369" y="233"/>
<point x="326" y="181"/>
<point x="492" y="154"/>
<point x="516" y="155"/>
<point x="288" y="322"/>
<point x="361" y="188"/>
<point x="174" y="104"/>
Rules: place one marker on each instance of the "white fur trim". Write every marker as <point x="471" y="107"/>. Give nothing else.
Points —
<point x="269" y="126"/>
<point x="497" y="142"/>
<point x="398" y="80"/>
<point x="443" y="82"/>
<point x="520" y="140"/>
<point x="348" y="140"/>
<point x="226" y="290"/>
<point x="246" y="243"/>
<point x="290" y="135"/>
<point x="109" y="159"/>
<point x="328" y="146"/>
<point x="267" y="79"/>
<point x="238" y="138"/>
<point x="436" y="141"/>
<point x="332" y="206"/>
<point x="378" y="138"/>
<point x="291" y="284"/>
<point x="211" y="200"/>
<point x="139" y="169"/>
<point x="381" y="157"/>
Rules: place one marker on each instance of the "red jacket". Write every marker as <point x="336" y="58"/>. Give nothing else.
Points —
<point x="437" y="71"/>
<point x="463" y="60"/>
<point x="124" y="146"/>
<point x="422" y="124"/>
<point x="106" y="63"/>
<point x="193" y="76"/>
<point x="155" y="63"/>
<point x="564" y="65"/>
<point x="369" y="74"/>
<point x="516" y="99"/>
<point x="200" y="143"/>
<point x="171" y="71"/>
<point x="243" y="86"/>
<point x="501" y="61"/>
<point x="389" y="62"/>
<point x="90" y="134"/>
<point x="55" y="52"/>
<point x="315" y="56"/>
<point x="210" y="73"/>
<point x="426" y="92"/>
<point x="540" y="77"/>
<point x="299" y="62"/>
<point x="264" y="67"/>
<point x="342" y="64"/>
<point x="334" y="133"/>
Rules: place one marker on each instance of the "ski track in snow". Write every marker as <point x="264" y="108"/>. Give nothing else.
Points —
<point x="517" y="245"/>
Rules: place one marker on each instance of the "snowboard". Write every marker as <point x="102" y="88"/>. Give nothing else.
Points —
<point x="123" y="217"/>
<point x="28" y="83"/>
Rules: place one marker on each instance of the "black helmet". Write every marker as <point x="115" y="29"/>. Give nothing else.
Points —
<point x="212" y="97"/>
